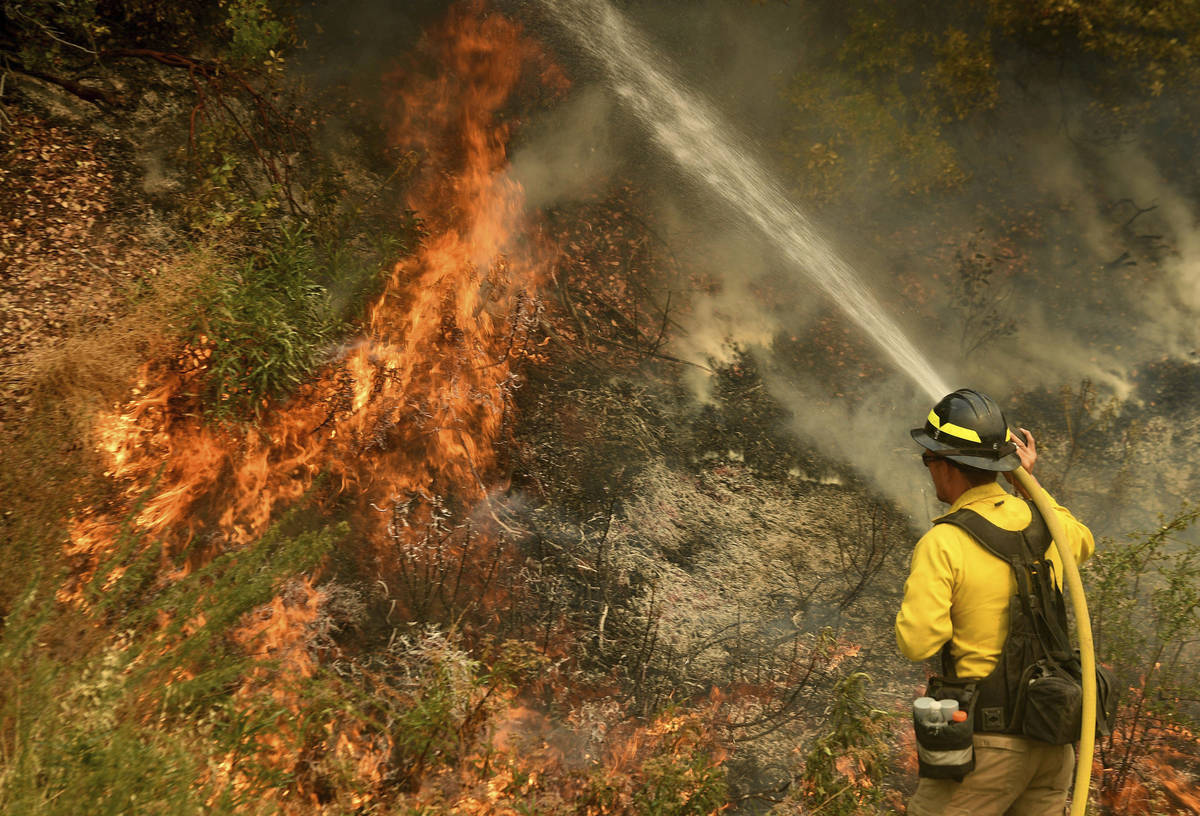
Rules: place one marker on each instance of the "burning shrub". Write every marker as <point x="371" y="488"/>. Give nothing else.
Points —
<point x="681" y="786"/>
<point x="173" y="713"/>
<point x="668" y="766"/>
<point x="1145" y="594"/>
<point x="416" y="723"/>
<point x="844" y="769"/>
<point x="447" y="693"/>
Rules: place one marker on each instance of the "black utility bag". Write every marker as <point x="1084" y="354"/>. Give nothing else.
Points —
<point x="1053" y="704"/>
<point x="947" y="751"/>
<point x="1036" y="689"/>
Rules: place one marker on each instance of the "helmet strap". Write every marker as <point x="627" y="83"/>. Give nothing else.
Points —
<point x="998" y="453"/>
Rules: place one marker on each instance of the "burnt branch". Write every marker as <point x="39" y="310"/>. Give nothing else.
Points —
<point x="95" y="96"/>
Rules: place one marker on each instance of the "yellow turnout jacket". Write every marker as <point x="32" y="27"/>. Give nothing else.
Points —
<point x="958" y="592"/>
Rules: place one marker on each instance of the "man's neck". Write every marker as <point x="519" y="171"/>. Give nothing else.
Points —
<point x="981" y="490"/>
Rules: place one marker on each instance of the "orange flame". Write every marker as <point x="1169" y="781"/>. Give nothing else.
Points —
<point x="1161" y="777"/>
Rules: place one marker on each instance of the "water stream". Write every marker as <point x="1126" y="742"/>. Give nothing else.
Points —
<point x="690" y="130"/>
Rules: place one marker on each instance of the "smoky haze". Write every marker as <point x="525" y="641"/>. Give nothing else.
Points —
<point x="1099" y="279"/>
<point x="1079" y="298"/>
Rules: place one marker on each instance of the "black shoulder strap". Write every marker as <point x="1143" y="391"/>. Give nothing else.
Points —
<point x="1024" y="551"/>
<point x="1017" y="547"/>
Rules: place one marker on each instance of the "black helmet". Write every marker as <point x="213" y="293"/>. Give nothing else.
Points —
<point x="969" y="428"/>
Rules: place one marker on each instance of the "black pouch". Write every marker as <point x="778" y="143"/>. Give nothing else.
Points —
<point x="947" y="751"/>
<point x="1107" y="694"/>
<point x="1051" y="703"/>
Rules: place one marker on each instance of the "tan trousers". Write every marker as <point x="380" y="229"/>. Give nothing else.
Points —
<point x="1013" y="776"/>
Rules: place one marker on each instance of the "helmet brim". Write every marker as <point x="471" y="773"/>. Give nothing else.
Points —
<point x="1004" y="464"/>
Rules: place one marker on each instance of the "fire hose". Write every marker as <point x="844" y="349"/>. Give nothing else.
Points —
<point x="1083" y="623"/>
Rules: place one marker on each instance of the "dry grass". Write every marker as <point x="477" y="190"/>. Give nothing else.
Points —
<point x="90" y="369"/>
<point x="50" y="465"/>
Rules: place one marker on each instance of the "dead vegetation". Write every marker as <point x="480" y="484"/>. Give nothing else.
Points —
<point x="73" y="257"/>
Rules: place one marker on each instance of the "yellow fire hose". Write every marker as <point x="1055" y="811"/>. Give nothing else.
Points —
<point x="1087" y="653"/>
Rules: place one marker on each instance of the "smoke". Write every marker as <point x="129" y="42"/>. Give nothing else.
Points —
<point x="734" y="314"/>
<point x="755" y="296"/>
<point x="570" y="153"/>
<point x="1097" y="257"/>
<point x="870" y="435"/>
<point x="1170" y="310"/>
<point x="354" y="43"/>
<point x="1093" y="240"/>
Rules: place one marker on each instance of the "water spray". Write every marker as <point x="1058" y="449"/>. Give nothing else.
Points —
<point x="692" y="133"/>
<point x="1087" y="651"/>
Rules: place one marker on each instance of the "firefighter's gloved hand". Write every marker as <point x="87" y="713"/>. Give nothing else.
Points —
<point x="1027" y="452"/>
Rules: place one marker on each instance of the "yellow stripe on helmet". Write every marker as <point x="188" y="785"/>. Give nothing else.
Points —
<point x="954" y="430"/>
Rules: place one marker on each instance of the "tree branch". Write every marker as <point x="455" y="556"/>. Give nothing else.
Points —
<point x="92" y="95"/>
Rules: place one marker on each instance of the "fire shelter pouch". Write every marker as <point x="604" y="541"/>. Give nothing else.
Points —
<point x="1052" y="704"/>
<point x="946" y="750"/>
<point x="1107" y="693"/>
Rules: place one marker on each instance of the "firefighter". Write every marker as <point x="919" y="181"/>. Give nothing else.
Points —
<point x="957" y="603"/>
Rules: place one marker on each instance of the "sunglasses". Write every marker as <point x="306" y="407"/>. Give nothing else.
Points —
<point x="927" y="457"/>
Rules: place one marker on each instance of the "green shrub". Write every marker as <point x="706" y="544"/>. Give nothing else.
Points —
<point x="48" y="31"/>
<point x="256" y="34"/>
<point x="267" y="324"/>
<point x="681" y="786"/>
<point x="1144" y="600"/>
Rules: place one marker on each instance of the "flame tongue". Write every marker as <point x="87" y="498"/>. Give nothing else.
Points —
<point x="418" y="403"/>
<point x="434" y="373"/>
